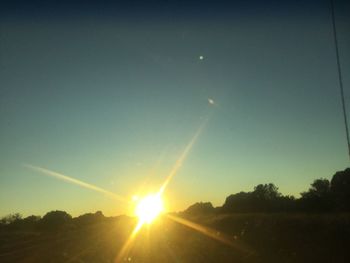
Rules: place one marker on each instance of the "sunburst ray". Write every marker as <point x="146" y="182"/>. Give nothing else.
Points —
<point x="212" y="233"/>
<point x="71" y="180"/>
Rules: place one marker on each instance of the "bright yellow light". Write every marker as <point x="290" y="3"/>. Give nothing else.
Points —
<point x="149" y="207"/>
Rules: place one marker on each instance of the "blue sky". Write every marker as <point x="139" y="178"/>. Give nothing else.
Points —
<point x="113" y="98"/>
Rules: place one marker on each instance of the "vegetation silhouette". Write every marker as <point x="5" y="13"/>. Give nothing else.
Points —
<point x="200" y="208"/>
<point x="264" y="198"/>
<point x="312" y="228"/>
<point x="322" y="196"/>
<point x="55" y="220"/>
<point x="340" y="190"/>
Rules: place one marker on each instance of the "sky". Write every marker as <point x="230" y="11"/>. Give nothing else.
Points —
<point x="112" y="93"/>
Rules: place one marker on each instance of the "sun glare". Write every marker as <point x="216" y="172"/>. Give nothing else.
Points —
<point x="149" y="207"/>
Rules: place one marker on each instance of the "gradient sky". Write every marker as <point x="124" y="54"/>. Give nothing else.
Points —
<point x="111" y="94"/>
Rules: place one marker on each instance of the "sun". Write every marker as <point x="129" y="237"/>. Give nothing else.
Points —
<point x="149" y="208"/>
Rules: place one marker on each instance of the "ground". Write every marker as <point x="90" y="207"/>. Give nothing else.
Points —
<point x="256" y="238"/>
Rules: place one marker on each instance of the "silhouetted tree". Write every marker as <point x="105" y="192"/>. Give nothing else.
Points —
<point x="11" y="219"/>
<point x="340" y="189"/>
<point x="200" y="208"/>
<point x="55" y="219"/>
<point x="266" y="197"/>
<point x="240" y="202"/>
<point x="89" y="218"/>
<point x="266" y="192"/>
<point x="319" y="188"/>
<point x="318" y="197"/>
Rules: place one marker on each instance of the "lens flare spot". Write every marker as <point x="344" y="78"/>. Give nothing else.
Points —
<point x="211" y="101"/>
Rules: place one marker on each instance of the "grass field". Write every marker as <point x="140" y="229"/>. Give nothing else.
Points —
<point x="255" y="238"/>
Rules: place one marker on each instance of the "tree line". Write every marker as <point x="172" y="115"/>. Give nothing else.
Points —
<point x="53" y="220"/>
<point x="322" y="196"/>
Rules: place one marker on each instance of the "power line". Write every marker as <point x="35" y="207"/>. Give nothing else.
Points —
<point x="340" y="78"/>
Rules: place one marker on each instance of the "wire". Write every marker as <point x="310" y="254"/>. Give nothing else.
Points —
<point x="340" y="78"/>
